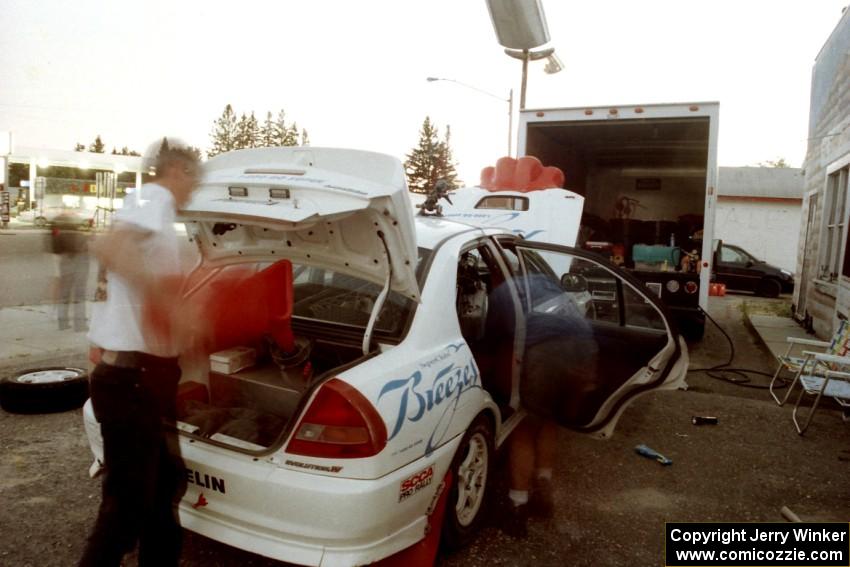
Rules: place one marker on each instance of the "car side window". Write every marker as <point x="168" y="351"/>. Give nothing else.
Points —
<point x="731" y="256"/>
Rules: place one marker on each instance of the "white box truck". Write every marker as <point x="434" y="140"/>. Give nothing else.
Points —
<point x="648" y="175"/>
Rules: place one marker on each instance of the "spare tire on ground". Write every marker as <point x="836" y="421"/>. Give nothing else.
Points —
<point x="44" y="390"/>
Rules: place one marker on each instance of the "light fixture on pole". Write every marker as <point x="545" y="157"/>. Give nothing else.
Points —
<point x="509" y="100"/>
<point x="520" y="26"/>
<point x="553" y="65"/>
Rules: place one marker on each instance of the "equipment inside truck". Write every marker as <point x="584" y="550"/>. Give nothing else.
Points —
<point x="643" y="181"/>
<point x="647" y="177"/>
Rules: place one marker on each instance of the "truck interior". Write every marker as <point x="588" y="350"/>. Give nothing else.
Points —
<point x="644" y="183"/>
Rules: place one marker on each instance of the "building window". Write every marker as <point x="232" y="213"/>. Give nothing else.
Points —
<point x="833" y="216"/>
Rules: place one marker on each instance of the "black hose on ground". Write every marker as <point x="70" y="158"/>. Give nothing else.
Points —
<point x="737" y="376"/>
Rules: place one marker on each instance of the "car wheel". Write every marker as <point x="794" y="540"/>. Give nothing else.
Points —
<point x="471" y="469"/>
<point x="40" y="221"/>
<point x="44" y="390"/>
<point x="769" y="288"/>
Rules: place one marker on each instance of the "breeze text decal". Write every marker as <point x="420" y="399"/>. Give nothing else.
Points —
<point x="429" y="389"/>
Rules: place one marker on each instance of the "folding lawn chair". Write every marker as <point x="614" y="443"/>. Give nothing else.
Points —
<point x="809" y="364"/>
<point x="833" y="383"/>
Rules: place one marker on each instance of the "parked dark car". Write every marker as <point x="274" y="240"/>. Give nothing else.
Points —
<point x="742" y="271"/>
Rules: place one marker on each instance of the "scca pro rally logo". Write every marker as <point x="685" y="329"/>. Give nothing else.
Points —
<point x="414" y="484"/>
<point x="430" y="390"/>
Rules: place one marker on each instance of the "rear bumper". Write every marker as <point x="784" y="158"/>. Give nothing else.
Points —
<point x="295" y="516"/>
<point x="301" y="517"/>
<point x="300" y="550"/>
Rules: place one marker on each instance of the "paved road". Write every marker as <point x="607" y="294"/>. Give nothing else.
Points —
<point x="27" y="268"/>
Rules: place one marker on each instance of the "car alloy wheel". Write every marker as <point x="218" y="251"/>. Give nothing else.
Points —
<point x="471" y="469"/>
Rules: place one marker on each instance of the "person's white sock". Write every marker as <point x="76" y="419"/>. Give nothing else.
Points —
<point x="545" y="474"/>
<point x="518" y="497"/>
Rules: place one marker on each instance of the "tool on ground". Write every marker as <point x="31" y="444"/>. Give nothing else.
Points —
<point x="645" y="451"/>
<point x="704" y="420"/>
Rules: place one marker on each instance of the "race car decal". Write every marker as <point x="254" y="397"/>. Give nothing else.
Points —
<point x="491" y="219"/>
<point x="201" y="502"/>
<point x="415" y="483"/>
<point x="314" y="467"/>
<point x="429" y="389"/>
<point x="205" y="480"/>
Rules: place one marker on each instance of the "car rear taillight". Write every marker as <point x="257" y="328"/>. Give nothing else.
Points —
<point x="691" y="287"/>
<point x="340" y="423"/>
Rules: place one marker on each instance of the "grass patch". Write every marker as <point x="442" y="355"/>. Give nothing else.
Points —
<point x="775" y="308"/>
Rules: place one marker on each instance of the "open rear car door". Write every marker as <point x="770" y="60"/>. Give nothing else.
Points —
<point x="596" y="338"/>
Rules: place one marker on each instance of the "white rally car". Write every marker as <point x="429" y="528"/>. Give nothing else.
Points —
<point x="397" y="358"/>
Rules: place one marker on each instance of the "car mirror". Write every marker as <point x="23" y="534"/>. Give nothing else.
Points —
<point x="573" y="283"/>
<point x="749" y="263"/>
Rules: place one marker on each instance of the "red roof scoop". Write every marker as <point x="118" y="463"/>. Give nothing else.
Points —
<point x="523" y="174"/>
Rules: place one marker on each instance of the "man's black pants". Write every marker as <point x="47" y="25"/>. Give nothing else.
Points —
<point x="144" y="475"/>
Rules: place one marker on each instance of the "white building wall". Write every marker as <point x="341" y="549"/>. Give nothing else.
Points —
<point x="768" y="230"/>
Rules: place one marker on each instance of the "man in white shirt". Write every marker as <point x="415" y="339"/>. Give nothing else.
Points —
<point x="133" y="388"/>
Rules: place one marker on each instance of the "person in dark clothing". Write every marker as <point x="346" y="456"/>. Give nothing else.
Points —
<point x="134" y="387"/>
<point x="558" y="374"/>
<point x="70" y="246"/>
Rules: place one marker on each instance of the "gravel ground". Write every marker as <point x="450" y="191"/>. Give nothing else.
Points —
<point x="611" y="503"/>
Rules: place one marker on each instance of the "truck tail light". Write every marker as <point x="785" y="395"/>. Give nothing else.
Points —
<point x="340" y="423"/>
<point x="672" y="286"/>
<point x="691" y="287"/>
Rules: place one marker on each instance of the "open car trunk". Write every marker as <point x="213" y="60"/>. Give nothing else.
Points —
<point x="272" y="332"/>
<point x="272" y="329"/>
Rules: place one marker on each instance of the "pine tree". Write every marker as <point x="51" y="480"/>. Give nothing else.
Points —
<point x="279" y="131"/>
<point x="290" y="138"/>
<point x="246" y="132"/>
<point x="230" y="133"/>
<point x="285" y="135"/>
<point x="268" y="136"/>
<point x="195" y="151"/>
<point x="97" y="146"/>
<point x="223" y="136"/>
<point x="445" y="161"/>
<point x="422" y="165"/>
<point x="305" y="140"/>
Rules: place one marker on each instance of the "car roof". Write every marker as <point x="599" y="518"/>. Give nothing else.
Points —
<point x="430" y="231"/>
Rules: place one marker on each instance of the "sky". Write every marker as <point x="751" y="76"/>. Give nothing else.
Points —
<point x="354" y="73"/>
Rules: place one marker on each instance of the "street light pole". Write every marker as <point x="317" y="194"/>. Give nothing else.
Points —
<point x="509" y="100"/>
<point x="525" y="56"/>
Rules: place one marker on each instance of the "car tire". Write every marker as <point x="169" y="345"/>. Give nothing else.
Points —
<point x="40" y="222"/>
<point x="44" y="390"/>
<point x="472" y="468"/>
<point x="768" y="287"/>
